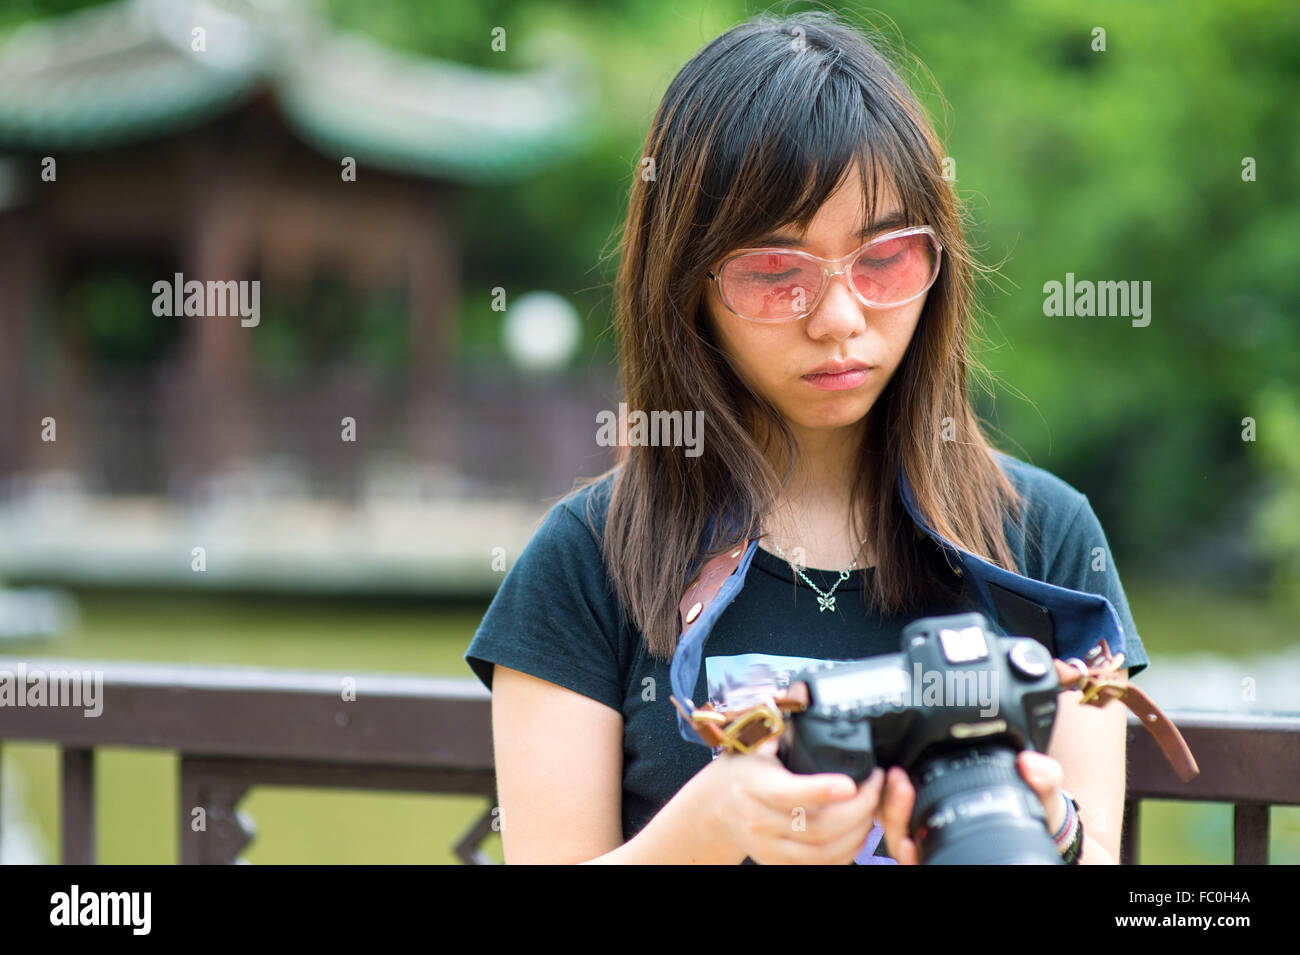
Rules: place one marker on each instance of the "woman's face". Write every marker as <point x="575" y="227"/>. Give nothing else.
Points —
<point x="777" y="360"/>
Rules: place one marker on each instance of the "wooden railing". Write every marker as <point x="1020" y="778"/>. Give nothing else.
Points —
<point x="238" y="728"/>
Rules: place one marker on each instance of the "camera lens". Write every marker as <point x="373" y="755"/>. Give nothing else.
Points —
<point x="974" y="808"/>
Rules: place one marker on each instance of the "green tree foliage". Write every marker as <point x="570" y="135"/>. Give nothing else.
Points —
<point x="1115" y="164"/>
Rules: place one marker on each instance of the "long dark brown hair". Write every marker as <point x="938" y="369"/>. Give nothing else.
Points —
<point x="755" y="132"/>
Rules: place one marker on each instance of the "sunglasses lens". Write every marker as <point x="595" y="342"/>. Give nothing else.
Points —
<point x="779" y="286"/>
<point x="896" y="270"/>
<point x="770" y="286"/>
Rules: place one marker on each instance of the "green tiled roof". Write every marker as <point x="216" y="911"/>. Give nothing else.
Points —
<point x="125" y="72"/>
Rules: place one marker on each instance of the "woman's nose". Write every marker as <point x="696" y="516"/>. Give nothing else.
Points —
<point x="839" y="314"/>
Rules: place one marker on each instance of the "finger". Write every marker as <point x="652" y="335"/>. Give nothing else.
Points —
<point x="1043" y="773"/>
<point x="788" y="813"/>
<point x="895" y="812"/>
<point x="906" y="852"/>
<point x="1045" y="777"/>
<point x="776" y="823"/>
<point x="851" y="814"/>
<point x="839" y="839"/>
<point x="838" y="850"/>
<point x="788" y="789"/>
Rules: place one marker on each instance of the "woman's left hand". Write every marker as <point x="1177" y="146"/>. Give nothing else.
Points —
<point x="1043" y="774"/>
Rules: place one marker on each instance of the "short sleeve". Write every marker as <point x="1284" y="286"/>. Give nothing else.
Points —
<point x="1084" y="562"/>
<point x="555" y="615"/>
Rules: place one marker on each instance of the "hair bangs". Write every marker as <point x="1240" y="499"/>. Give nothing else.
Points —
<point x="785" y="163"/>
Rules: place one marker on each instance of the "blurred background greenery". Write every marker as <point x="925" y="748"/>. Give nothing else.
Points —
<point x="1126" y="164"/>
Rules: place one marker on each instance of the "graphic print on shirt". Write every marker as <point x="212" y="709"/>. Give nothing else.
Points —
<point x="747" y="678"/>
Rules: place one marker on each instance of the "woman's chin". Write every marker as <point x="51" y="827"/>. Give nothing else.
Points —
<point x="832" y="419"/>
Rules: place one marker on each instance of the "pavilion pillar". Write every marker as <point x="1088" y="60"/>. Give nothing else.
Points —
<point x="433" y="279"/>
<point x="21" y="267"/>
<point x="213" y="432"/>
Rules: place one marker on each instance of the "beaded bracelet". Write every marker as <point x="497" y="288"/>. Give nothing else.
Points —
<point x="1069" y="838"/>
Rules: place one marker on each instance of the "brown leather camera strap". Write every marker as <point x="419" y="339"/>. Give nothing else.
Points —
<point x="745" y="728"/>
<point x="706" y="584"/>
<point x="1101" y="685"/>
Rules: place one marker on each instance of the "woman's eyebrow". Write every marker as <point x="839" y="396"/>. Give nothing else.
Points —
<point x="891" y="221"/>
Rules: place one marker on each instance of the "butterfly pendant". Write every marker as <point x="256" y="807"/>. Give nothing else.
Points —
<point x="825" y="603"/>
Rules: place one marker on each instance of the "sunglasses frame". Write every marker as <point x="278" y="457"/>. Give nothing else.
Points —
<point x="831" y="268"/>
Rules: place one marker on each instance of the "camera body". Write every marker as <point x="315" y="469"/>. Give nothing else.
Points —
<point x="953" y="708"/>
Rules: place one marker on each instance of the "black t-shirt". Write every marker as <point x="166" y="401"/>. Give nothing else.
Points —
<point x="557" y="617"/>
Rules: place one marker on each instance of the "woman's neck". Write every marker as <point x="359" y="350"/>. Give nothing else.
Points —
<point x="813" y="512"/>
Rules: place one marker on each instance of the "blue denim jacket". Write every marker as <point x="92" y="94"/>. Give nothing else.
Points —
<point x="1079" y="620"/>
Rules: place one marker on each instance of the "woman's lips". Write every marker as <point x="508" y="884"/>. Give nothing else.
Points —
<point x="838" y="382"/>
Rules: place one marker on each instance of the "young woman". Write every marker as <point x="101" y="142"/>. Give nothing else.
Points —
<point x="793" y="267"/>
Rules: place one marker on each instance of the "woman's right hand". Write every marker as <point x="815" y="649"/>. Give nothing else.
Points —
<point x="779" y="817"/>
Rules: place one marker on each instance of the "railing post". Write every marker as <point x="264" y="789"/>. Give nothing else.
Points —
<point x="469" y="849"/>
<point x="221" y="831"/>
<point x="1250" y="833"/>
<point x="78" y="806"/>
<point x="1129" y="835"/>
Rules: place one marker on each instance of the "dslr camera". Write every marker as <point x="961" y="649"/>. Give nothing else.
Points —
<point x="953" y="707"/>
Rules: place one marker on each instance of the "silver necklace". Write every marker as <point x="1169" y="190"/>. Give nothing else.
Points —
<point x="825" y="601"/>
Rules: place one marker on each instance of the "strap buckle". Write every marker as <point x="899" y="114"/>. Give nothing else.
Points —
<point x="1100" y="679"/>
<point x="754" y="728"/>
<point x="744" y="729"/>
